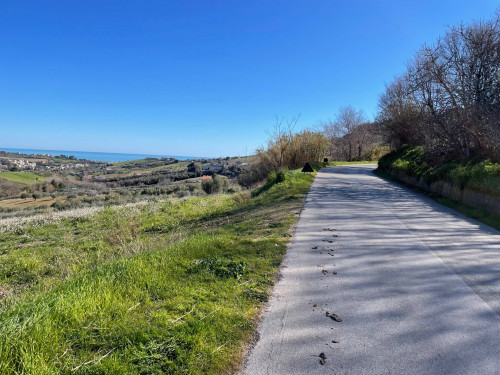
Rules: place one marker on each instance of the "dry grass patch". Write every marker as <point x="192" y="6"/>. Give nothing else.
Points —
<point x="30" y="202"/>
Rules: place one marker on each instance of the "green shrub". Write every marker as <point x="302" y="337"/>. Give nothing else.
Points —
<point x="216" y="184"/>
<point x="273" y="179"/>
<point x="483" y="176"/>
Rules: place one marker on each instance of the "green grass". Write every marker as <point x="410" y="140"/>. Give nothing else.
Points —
<point x="479" y="176"/>
<point x="172" y="288"/>
<point x="22" y="177"/>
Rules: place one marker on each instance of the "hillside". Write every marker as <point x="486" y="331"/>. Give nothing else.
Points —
<point x="173" y="287"/>
<point x="68" y="183"/>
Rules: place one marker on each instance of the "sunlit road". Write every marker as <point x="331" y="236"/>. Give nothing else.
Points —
<point x="417" y="286"/>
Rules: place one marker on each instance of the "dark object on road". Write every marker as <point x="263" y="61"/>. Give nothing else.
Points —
<point x="307" y="168"/>
<point x="333" y="316"/>
<point x="322" y="359"/>
<point x="336" y="341"/>
<point x="325" y="160"/>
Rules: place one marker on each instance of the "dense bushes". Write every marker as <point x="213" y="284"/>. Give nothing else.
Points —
<point x="285" y="149"/>
<point x="216" y="184"/>
<point x="481" y="176"/>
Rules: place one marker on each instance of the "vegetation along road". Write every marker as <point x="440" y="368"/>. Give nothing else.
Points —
<point x="170" y="287"/>
<point x="381" y="280"/>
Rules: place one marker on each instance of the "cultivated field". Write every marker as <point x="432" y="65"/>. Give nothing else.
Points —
<point x="22" y="177"/>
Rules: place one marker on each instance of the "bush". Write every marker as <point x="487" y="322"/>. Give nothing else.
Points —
<point x="483" y="177"/>
<point x="215" y="185"/>
<point x="252" y="175"/>
<point x="273" y="179"/>
<point x="280" y="176"/>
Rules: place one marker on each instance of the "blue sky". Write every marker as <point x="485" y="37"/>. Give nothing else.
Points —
<point x="201" y="78"/>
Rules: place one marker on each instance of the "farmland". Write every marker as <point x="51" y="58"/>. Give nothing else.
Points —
<point x="22" y="177"/>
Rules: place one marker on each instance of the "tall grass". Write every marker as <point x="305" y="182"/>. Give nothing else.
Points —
<point x="172" y="288"/>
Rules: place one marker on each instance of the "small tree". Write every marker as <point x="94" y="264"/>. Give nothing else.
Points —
<point x="35" y="196"/>
<point x="194" y="168"/>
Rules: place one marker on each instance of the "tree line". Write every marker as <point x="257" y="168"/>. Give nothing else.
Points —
<point x="448" y="99"/>
<point x="349" y="137"/>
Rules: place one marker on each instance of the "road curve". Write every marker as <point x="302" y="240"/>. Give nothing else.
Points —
<point x="417" y="286"/>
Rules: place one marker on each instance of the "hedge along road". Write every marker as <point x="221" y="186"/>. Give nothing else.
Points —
<point x="416" y="285"/>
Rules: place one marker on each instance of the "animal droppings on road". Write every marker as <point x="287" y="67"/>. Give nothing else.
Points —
<point x="322" y="359"/>
<point x="333" y="316"/>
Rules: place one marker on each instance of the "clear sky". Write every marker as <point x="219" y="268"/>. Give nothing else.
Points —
<point x="201" y="78"/>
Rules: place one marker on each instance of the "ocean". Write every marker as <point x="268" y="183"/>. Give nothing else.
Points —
<point x="96" y="156"/>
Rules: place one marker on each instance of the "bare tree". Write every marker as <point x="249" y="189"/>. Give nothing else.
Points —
<point x="347" y="133"/>
<point x="279" y="142"/>
<point x="449" y="98"/>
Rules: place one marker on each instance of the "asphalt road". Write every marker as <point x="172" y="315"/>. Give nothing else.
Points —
<point x="417" y="286"/>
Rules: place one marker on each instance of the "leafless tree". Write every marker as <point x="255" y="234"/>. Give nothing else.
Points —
<point x="348" y="134"/>
<point x="279" y="142"/>
<point x="449" y="98"/>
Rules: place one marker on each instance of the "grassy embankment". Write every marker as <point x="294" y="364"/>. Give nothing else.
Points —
<point x="164" y="288"/>
<point x="22" y="177"/>
<point x="482" y="177"/>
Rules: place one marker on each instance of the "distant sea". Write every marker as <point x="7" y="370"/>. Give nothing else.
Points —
<point x="96" y="156"/>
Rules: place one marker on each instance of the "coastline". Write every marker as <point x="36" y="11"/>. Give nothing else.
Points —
<point x="95" y="156"/>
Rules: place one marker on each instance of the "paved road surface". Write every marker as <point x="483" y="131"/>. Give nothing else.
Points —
<point x="417" y="286"/>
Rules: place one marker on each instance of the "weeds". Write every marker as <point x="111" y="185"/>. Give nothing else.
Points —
<point x="219" y="267"/>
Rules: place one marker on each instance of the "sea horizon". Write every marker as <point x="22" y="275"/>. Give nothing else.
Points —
<point x="96" y="156"/>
